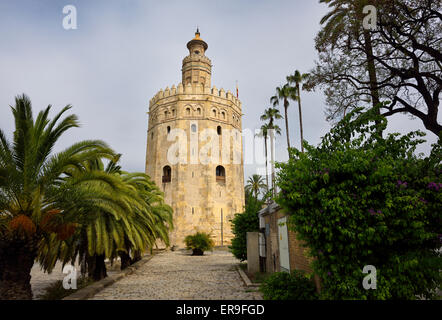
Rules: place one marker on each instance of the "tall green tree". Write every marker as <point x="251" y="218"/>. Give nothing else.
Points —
<point x="346" y="17"/>
<point x="297" y="78"/>
<point x="247" y="221"/>
<point x="255" y="185"/>
<point x="284" y="94"/>
<point x="33" y="192"/>
<point x="270" y="115"/>
<point x="265" y="133"/>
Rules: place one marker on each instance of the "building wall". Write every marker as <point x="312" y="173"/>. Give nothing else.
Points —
<point x="297" y="253"/>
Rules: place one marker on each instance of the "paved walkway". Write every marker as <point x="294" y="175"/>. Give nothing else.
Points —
<point x="176" y="275"/>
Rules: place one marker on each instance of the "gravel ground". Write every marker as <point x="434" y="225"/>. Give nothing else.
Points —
<point x="176" y="275"/>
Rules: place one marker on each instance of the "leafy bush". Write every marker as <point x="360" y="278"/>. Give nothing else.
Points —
<point x="248" y="221"/>
<point x="199" y="242"/>
<point x="288" y="286"/>
<point x="360" y="199"/>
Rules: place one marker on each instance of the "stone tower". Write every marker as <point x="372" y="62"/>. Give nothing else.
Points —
<point x="194" y="150"/>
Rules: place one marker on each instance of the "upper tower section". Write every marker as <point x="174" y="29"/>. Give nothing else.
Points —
<point x="197" y="68"/>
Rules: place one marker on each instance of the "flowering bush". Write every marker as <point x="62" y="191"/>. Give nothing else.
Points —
<point x="360" y="199"/>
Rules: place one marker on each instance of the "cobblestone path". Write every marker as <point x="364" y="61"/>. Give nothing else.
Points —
<point x="176" y="275"/>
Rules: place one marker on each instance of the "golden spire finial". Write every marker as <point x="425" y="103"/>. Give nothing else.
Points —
<point x="197" y="33"/>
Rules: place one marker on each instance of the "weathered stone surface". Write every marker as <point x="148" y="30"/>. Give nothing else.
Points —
<point x="177" y="275"/>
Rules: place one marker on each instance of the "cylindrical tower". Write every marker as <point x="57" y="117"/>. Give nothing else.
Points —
<point x="194" y="150"/>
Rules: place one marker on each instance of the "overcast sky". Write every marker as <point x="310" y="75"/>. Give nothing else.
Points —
<point x="124" y="51"/>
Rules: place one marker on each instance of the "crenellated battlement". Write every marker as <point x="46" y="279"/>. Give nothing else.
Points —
<point x="194" y="89"/>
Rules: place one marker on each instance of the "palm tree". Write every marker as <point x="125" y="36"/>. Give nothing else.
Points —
<point x="346" y="16"/>
<point x="33" y="190"/>
<point x="284" y="93"/>
<point x="255" y="184"/>
<point x="264" y="133"/>
<point x="272" y="114"/>
<point x="297" y="78"/>
<point x="130" y="217"/>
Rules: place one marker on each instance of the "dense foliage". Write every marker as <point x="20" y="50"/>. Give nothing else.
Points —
<point x="288" y="286"/>
<point x="248" y="221"/>
<point x="129" y="219"/>
<point x="360" y="199"/>
<point x="199" y="242"/>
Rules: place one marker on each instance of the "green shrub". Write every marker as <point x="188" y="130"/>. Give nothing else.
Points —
<point x="288" y="286"/>
<point x="362" y="199"/>
<point x="199" y="242"/>
<point x="248" y="221"/>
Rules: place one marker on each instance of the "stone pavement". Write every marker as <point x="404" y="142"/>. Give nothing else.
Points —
<point x="177" y="275"/>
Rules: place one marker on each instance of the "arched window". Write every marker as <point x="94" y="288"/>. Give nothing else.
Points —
<point x="198" y="111"/>
<point x="223" y="115"/>
<point x="188" y="111"/>
<point x="193" y="127"/>
<point x="168" y="129"/>
<point x="167" y="174"/>
<point x="173" y="112"/>
<point x="220" y="174"/>
<point x="214" y="113"/>
<point x="218" y="130"/>
<point x="165" y="114"/>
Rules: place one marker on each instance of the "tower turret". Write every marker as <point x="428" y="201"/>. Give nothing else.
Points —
<point x="197" y="68"/>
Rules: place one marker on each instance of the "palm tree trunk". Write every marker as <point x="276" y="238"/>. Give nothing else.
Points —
<point x="272" y="161"/>
<point x="137" y="256"/>
<point x="126" y="261"/>
<point x="97" y="267"/>
<point x="267" y="170"/>
<point x="371" y="68"/>
<point x="17" y="257"/>
<point x="300" y="116"/>
<point x="287" y="126"/>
